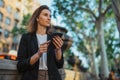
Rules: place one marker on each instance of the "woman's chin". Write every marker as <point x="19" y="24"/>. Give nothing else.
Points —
<point x="48" y="25"/>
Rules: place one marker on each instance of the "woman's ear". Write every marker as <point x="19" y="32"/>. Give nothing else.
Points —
<point x="37" y="19"/>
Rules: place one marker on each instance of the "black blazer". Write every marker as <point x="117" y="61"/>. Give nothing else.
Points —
<point x="28" y="47"/>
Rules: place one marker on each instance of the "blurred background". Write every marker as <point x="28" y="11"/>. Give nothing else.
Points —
<point x="91" y="28"/>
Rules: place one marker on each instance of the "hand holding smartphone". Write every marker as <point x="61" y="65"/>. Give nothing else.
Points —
<point x="53" y="36"/>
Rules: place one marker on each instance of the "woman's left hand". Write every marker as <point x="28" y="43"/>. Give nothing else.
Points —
<point x="58" y="42"/>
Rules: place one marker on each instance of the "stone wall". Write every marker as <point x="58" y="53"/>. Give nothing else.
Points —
<point x="8" y="70"/>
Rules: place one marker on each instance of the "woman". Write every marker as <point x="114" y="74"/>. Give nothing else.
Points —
<point x="39" y="55"/>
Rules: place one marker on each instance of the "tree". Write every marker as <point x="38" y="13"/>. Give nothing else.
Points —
<point x="116" y="9"/>
<point x="85" y="13"/>
<point x="26" y="19"/>
<point x="20" y="30"/>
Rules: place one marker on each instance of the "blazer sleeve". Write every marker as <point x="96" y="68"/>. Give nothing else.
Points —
<point x="60" y="62"/>
<point x="22" y="56"/>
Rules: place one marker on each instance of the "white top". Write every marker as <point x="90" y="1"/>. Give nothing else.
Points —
<point x="43" y="59"/>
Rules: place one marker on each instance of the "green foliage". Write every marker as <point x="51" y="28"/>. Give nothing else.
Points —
<point x="16" y="31"/>
<point x="81" y="15"/>
<point x="67" y="53"/>
<point x="20" y="30"/>
<point x="26" y="19"/>
<point x="82" y="47"/>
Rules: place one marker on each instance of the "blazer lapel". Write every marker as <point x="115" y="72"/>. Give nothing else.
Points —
<point x="48" y="37"/>
<point x="34" y="43"/>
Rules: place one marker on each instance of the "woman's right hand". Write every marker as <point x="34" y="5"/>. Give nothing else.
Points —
<point x="43" y="48"/>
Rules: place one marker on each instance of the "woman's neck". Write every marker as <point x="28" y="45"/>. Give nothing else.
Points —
<point x="41" y="30"/>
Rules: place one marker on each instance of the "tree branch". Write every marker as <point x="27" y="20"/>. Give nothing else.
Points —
<point x="88" y="10"/>
<point x="99" y="7"/>
<point x="115" y="6"/>
<point x="107" y="9"/>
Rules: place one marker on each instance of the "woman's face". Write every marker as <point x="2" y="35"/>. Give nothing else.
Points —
<point x="44" y="18"/>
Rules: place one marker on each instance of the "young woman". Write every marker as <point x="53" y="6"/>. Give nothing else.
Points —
<point x="39" y="55"/>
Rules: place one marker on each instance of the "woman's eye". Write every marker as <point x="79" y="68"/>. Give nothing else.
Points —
<point x="47" y="15"/>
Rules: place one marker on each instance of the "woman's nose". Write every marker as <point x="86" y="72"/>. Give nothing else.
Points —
<point x="49" y="17"/>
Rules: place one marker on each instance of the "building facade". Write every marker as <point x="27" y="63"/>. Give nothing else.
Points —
<point x="11" y="14"/>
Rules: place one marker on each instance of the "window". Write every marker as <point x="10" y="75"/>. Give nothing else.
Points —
<point x="1" y="3"/>
<point x="1" y="30"/>
<point x="1" y="16"/>
<point x="7" y="21"/>
<point x="6" y="33"/>
<point x="16" y="15"/>
<point x="9" y="9"/>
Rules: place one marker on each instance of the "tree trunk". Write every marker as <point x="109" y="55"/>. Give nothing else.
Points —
<point x="101" y="44"/>
<point x="94" y="65"/>
<point x="116" y="9"/>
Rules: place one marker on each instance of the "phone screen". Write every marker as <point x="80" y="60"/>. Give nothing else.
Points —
<point x="59" y="34"/>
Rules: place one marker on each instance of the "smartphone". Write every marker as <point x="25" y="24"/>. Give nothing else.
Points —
<point x="57" y="33"/>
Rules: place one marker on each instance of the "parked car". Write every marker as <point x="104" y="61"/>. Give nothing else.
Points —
<point x="9" y="56"/>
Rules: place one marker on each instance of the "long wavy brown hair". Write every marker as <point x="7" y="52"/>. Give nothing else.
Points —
<point x="32" y="24"/>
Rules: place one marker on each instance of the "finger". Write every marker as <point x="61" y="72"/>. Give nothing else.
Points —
<point x="56" y="46"/>
<point x="57" y="38"/>
<point x="40" y="51"/>
<point x="58" y="42"/>
<point x="44" y="46"/>
<point x="47" y="42"/>
<point x="43" y="50"/>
